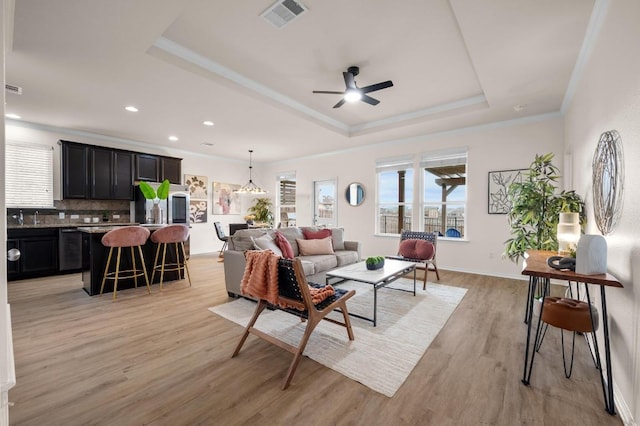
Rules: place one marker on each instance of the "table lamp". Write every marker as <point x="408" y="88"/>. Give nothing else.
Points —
<point x="568" y="233"/>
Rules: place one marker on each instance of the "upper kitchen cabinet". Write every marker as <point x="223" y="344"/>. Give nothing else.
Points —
<point x="147" y="167"/>
<point x="171" y="168"/>
<point x="154" y="168"/>
<point x="97" y="173"/>
<point x="111" y="174"/>
<point x="75" y="170"/>
<point x="100" y="173"/>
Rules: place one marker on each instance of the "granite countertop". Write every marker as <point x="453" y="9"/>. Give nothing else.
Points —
<point x="106" y="228"/>
<point x="71" y="225"/>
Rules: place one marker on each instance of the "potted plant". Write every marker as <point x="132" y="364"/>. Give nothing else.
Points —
<point x="374" y="262"/>
<point x="261" y="210"/>
<point x="535" y="208"/>
<point x="156" y="195"/>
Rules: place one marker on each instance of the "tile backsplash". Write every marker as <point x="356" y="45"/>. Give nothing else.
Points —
<point x="116" y="211"/>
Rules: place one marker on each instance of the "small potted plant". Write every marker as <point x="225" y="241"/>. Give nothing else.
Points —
<point x="374" y="262"/>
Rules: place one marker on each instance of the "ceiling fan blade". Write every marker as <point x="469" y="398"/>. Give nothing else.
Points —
<point x="375" y="87"/>
<point x="368" y="99"/>
<point x="329" y="92"/>
<point x="348" y="80"/>
<point x="340" y="103"/>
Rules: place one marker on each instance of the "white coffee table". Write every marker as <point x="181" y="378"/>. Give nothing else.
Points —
<point x="392" y="270"/>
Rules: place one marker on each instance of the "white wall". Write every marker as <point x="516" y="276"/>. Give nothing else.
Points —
<point x="203" y="236"/>
<point x="608" y="97"/>
<point x="503" y="146"/>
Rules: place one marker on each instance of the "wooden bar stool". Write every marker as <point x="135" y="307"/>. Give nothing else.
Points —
<point x="126" y="236"/>
<point x="172" y="234"/>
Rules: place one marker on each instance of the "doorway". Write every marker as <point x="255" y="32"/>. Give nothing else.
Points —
<point x="325" y="207"/>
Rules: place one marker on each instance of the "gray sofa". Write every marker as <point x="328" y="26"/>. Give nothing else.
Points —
<point x="315" y="266"/>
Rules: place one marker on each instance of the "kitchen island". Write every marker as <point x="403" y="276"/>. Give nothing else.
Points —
<point x="94" y="260"/>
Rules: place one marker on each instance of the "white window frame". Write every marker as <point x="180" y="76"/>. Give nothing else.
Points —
<point x="393" y="164"/>
<point x="452" y="156"/>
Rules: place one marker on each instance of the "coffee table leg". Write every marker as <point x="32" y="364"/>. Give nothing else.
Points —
<point x="375" y="304"/>
<point x="414" y="281"/>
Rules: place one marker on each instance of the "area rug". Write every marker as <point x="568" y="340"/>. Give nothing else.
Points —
<point x="380" y="357"/>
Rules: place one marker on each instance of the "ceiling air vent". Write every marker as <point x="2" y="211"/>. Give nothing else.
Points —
<point x="282" y="12"/>
<point x="13" y="89"/>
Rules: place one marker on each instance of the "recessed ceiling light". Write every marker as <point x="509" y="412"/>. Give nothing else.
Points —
<point x="207" y="123"/>
<point x="206" y="144"/>
<point x="14" y="116"/>
<point x="173" y="138"/>
<point x="131" y="108"/>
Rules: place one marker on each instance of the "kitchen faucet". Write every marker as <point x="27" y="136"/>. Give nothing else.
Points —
<point x="19" y="218"/>
<point x="35" y="218"/>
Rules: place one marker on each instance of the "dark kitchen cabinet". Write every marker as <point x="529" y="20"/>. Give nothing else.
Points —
<point x="101" y="173"/>
<point x="154" y="168"/>
<point x="171" y="168"/>
<point x="38" y="253"/>
<point x="97" y="173"/>
<point x="75" y="170"/>
<point x="147" y="167"/>
<point x="122" y="175"/>
<point x="111" y="174"/>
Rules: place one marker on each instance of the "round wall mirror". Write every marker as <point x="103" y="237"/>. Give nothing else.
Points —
<point x="354" y="194"/>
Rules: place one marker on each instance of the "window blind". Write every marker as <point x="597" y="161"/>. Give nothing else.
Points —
<point x="28" y="175"/>
<point x="394" y="163"/>
<point x="449" y="157"/>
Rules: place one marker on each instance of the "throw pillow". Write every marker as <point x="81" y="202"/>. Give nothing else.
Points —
<point x="316" y="235"/>
<point x="266" y="243"/>
<point x="285" y="245"/>
<point x="315" y="246"/>
<point x="417" y="249"/>
<point x="337" y="234"/>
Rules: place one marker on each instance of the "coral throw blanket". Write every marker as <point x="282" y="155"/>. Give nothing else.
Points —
<point x="260" y="278"/>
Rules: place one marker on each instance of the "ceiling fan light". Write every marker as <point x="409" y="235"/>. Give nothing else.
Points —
<point x="352" y="95"/>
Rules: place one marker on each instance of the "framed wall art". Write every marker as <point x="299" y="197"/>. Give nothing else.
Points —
<point x="199" y="197"/>
<point x="225" y="198"/>
<point x="499" y="182"/>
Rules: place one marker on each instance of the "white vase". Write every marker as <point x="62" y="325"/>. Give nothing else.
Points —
<point x="156" y="214"/>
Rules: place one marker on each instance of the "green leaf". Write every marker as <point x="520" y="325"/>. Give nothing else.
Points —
<point x="163" y="190"/>
<point x="148" y="192"/>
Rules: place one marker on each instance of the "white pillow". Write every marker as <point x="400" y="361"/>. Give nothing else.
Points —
<point x="266" y="242"/>
<point x="316" y="246"/>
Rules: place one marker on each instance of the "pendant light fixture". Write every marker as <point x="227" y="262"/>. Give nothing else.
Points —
<point x="250" y="187"/>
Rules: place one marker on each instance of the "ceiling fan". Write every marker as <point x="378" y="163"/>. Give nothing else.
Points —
<point x="354" y="93"/>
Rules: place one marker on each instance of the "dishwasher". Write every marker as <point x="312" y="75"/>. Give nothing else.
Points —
<point x="69" y="249"/>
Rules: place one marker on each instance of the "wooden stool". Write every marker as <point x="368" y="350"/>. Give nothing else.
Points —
<point x="172" y="234"/>
<point x="126" y="236"/>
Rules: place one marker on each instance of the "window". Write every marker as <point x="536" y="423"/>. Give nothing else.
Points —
<point x="445" y="192"/>
<point x="287" y="199"/>
<point x="28" y="175"/>
<point x="394" y="208"/>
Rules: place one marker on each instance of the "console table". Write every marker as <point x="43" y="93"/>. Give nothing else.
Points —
<point x="535" y="266"/>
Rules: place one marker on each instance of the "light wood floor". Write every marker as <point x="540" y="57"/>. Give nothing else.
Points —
<point x="165" y="359"/>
